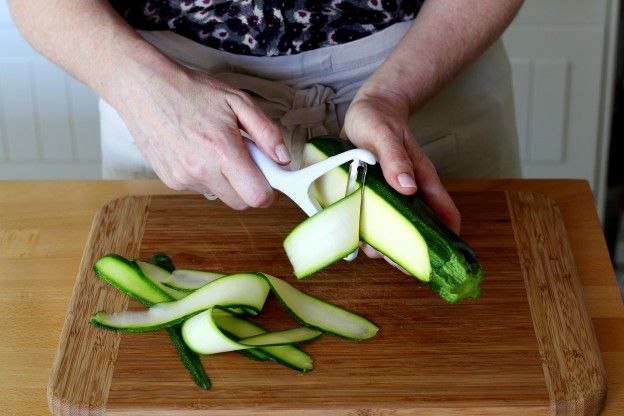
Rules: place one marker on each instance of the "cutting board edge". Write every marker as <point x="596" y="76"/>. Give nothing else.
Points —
<point x="576" y="382"/>
<point x="103" y="296"/>
<point x="66" y="407"/>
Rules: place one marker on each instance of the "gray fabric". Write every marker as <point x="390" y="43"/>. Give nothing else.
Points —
<point x="302" y="113"/>
<point x="467" y="130"/>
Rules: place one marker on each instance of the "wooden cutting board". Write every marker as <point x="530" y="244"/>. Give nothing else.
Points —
<point x="526" y="347"/>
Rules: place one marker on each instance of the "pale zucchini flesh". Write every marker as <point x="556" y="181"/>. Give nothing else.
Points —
<point x="379" y="226"/>
<point x="283" y="337"/>
<point x="225" y="331"/>
<point x="235" y="326"/>
<point x="289" y="355"/>
<point x="159" y="276"/>
<point x="247" y="290"/>
<point x="203" y="335"/>
<point x="403" y="228"/>
<point x="127" y="277"/>
<point x="321" y="315"/>
<point x="189" y="280"/>
<point x="326" y="237"/>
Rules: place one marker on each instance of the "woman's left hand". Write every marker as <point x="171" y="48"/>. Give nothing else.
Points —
<point x="377" y="121"/>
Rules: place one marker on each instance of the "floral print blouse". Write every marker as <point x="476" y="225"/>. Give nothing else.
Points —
<point x="267" y="28"/>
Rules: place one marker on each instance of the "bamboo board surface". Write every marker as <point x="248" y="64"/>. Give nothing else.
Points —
<point x="526" y="347"/>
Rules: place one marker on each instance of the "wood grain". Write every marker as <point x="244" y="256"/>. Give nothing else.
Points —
<point x="478" y="357"/>
<point x="37" y="285"/>
<point x="83" y="368"/>
<point x="573" y="368"/>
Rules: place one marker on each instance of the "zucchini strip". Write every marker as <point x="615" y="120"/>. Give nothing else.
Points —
<point x="108" y="268"/>
<point x="244" y="290"/>
<point x="159" y="276"/>
<point x="189" y="280"/>
<point x="163" y="261"/>
<point x="126" y="276"/>
<point x="236" y="327"/>
<point x="318" y="314"/>
<point x="325" y="237"/>
<point x="247" y="290"/>
<point x="288" y="355"/>
<point x="284" y="337"/>
<point x="189" y="358"/>
<point x="401" y="227"/>
<point x="203" y="335"/>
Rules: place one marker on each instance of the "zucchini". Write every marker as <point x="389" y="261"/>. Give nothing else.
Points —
<point x="318" y="314"/>
<point x="158" y="276"/>
<point x="126" y="276"/>
<point x="163" y="261"/>
<point x="325" y="237"/>
<point x="244" y="289"/>
<point x="202" y="333"/>
<point x="401" y="227"/>
<point x="189" y="280"/>
<point x="235" y="327"/>
<point x="289" y="355"/>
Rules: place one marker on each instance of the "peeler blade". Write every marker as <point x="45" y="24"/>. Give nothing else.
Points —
<point x="357" y="173"/>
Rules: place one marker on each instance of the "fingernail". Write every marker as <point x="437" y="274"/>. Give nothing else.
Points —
<point x="282" y="153"/>
<point x="406" y="181"/>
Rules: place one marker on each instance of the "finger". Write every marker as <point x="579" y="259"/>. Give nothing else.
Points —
<point x="393" y="264"/>
<point x="165" y="176"/>
<point x="374" y="254"/>
<point x="220" y="188"/>
<point x="395" y="162"/>
<point x="244" y="176"/>
<point x="206" y="178"/>
<point x="263" y="131"/>
<point x="370" y="252"/>
<point x="431" y="189"/>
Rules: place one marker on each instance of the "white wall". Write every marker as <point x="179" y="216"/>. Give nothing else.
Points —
<point x="560" y="50"/>
<point x="48" y="121"/>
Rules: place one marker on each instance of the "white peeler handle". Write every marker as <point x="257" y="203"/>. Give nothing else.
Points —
<point x="296" y="184"/>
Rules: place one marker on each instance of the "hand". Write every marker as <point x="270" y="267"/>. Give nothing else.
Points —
<point x="378" y="122"/>
<point x="186" y="124"/>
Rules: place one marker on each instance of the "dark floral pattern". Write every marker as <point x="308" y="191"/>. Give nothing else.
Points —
<point x="267" y="28"/>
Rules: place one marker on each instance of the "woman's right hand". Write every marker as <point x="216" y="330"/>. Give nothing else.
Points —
<point x="187" y="126"/>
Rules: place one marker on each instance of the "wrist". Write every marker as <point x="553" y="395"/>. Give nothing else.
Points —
<point x="130" y="64"/>
<point x="394" y="101"/>
<point x="408" y="84"/>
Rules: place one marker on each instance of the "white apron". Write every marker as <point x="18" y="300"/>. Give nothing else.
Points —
<point x="467" y="130"/>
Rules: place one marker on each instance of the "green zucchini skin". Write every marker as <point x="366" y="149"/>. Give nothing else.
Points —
<point x="456" y="273"/>
<point x="189" y="358"/>
<point x="163" y="261"/>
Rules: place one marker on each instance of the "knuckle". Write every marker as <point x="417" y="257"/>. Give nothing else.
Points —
<point x="241" y="97"/>
<point x="269" y="131"/>
<point x="421" y="159"/>
<point x="238" y="205"/>
<point x="172" y="183"/>
<point x="195" y="168"/>
<point x="180" y="178"/>
<point x="261" y="199"/>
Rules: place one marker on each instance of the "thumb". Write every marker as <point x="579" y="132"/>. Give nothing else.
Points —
<point x="395" y="163"/>
<point x="263" y="131"/>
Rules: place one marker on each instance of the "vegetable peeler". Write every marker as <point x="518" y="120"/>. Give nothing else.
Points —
<point x="296" y="184"/>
